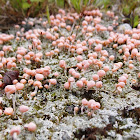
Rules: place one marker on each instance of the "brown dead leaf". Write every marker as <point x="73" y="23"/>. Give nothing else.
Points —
<point x="136" y="86"/>
<point x="9" y="77"/>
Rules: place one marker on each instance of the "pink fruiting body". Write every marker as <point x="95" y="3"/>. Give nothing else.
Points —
<point x="101" y="73"/>
<point x="32" y="127"/>
<point x="99" y="84"/>
<point x="9" y="111"/>
<point x="23" y="108"/>
<point x="53" y="81"/>
<point x="62" y="64"/>
<point x="39" y="77"/>
<point x="19" y="86"/>
<point x="10" y="89"/>
<point x="90" y="84"/>
<point x="79" y="84"/>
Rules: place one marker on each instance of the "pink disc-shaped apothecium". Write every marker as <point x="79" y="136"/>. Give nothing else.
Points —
<point x="9" y="111"/>
<point x="10" y="89"/>
<point x="122" y="79"/>
<point x="53" y="81"/>
<point x="95" y="77"/>
<point x="62" y="64"/>
<point x="39" y="77"/>
<point x="32" y="127"/>
<point x="79" y="84"/>
<point x="15" y="129"/>
<point x="90" y="84"/>
<point x="95" y="106"/>
<point x="37" y="83"/>
<point x="101" y="73"/>
<point x="84" y="102"/>
<point x="23" y="108"/>
<point x="67" y="85"/>
<point x="71" y="79"/>
<point x="90" y="102"/>
<point x="99" y="84"/>
<point x="120" y="84"/>
<point x="106" y="68"/>
<point x="19" y="86"/>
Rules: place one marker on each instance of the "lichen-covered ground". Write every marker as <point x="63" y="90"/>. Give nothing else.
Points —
<point x="52" y="107"/>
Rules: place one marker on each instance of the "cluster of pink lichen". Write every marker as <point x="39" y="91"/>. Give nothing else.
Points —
<point x="88" y="52"/>
<point x="89" y="107"/>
